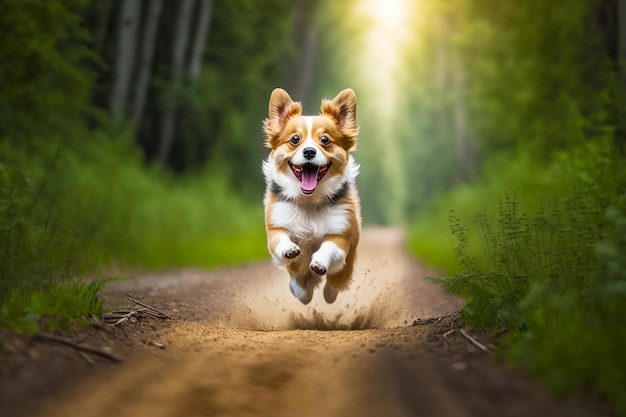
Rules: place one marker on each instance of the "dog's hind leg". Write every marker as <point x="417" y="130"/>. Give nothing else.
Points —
<point x="339" y="280"/>
<point x="330" y="295"/>
<point x="302" y="293"/>
<point x="302" y="282"/>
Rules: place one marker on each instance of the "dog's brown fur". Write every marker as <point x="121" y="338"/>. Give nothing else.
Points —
<point x="317" y="212"/>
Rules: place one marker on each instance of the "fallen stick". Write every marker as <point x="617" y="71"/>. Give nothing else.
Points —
<point x="159" y="313"/>
<point x="454" y="319"/>
<point x="448" y="333"/>
<point x="118" y="317"/>
<point x="432" y="320"/>
<point x="52" y="338"/>
<point x="475" y="342"/>
<point x="86" y="357"/>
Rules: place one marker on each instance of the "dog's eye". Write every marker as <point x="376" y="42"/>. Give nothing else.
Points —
<point x="295" y="139"/>
<point x="325" y="140"/>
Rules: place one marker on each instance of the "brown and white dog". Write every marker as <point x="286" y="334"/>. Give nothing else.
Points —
<point x="312" y="209"/>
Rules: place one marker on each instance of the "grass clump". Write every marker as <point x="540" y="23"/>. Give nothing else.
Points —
<point x="555" y="278"/>
<point x="59" y="306"/>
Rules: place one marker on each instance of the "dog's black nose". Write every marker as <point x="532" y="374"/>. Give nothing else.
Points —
<point x="309" y="153"/>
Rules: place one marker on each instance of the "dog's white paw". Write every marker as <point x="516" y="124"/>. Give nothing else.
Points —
<point x="330" y="295"/>
<point x="328" y="259"/>
<point x="291" y="251"/>
<point x="317" y="267"/>
<point x="284" y="251"/>
<point x="305" y="295"/>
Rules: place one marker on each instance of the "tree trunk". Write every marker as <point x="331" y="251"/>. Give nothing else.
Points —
<point x="300" y="76"/>
<point x="450" y="83"/>
<point x="202" y="30"/>
<point x="307" y="65"/>
<point x="291" y="64"/>
<point x="621" y="41"/>
<point x="145" y="63"/>
<point x="105" y="10"/>
<point x="181" y="39"/>
<point x="464" y="145"/>
<point x="130" y="16"/>
<point x="441" y="52"/>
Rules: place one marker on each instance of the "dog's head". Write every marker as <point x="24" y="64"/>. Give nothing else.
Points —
<point x="311" y="152"/>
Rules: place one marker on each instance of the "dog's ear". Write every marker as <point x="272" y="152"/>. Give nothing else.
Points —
<point x="281" y="109"/>
<point x="342" y="109"/>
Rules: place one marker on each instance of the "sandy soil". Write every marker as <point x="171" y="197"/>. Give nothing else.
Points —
<point x="241" y="345"/>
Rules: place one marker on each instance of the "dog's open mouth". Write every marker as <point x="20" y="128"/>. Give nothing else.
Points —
<point x="309" y="175"/>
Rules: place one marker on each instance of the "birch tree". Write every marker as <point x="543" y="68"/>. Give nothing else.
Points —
<point x="463" y="143"/>
<point x="181" y="39"/>
<point x="450" y="80"/>
<point x="621" y="41"/>
<point x="130" y="16"/>
<point x="145" y="60"/>
<point x="299" y="79"/>
<point x="199" y="43"/>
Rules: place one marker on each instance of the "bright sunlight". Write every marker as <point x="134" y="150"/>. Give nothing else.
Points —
<point x="387" y="35"/>
<point x="390" y="33"/>
<point x="386" y="11"/>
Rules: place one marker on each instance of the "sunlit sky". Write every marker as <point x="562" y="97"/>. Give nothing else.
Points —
<point x="387" y="37"/>
<point x="390" y="29"/>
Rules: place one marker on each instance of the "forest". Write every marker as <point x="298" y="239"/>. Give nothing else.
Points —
<point x="493" y="132"/>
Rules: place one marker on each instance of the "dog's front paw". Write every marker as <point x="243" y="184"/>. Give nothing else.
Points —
<point x="318" y="268"/>
<point x="292" y="251"/>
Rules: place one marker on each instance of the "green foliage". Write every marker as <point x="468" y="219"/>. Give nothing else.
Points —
<point x="150" y="218"/>
<point x="557" y="92"/>
<point x="221" y="111"/>
<point x="546" y="263"/>
<point x="82" y="208"/>
<point x="576" y="338"/>
<point x="554" y="276"/>
<point x="75" y="192"/>
<point x="611" y="251"/>
<point x="59" y="306"/>
<point x="42" y="63"/>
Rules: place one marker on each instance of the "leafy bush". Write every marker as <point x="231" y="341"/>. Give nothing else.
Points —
<point x="75" y="192"/>
<point x="65" y="213"/>
<point x="576" y="338"/>
<point x="147" y="217"/>
<point x="555" y="277"/>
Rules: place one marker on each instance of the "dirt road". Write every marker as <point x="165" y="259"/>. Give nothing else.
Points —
<point x="241" y="345"/>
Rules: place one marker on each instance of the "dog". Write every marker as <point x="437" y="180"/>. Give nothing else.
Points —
<point x="312" y="207"/>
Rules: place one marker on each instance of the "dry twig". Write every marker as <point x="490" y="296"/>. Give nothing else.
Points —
<point x="454" y="319"/>
<point x="159" y="314"/>
<point x="121" y="316"/>
<point x="57" y="339"/>
<point x="86" y="357"/>
<point x="433" y="320"/>
<point x="448" y="333"/>
<point x="475" y="342"/>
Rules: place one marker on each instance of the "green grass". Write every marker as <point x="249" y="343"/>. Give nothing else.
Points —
<point x="59" y="305"/>
<point x="214" y="251"/>
<point x="550" y="270"/>
<point x="68" y="211"/>
<point x="535" y="186"/>
<point x="76" y="193"/>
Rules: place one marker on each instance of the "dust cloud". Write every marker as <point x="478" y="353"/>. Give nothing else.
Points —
<point x="388" y="290"/>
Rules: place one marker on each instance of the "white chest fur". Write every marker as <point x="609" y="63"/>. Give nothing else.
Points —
<point x="309" y="222"/>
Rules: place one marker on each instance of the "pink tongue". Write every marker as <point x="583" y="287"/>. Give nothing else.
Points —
<point x="309" y="177"/>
